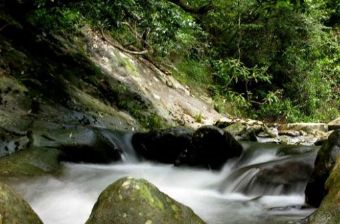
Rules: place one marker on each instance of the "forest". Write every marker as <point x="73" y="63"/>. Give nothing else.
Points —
<point x="268" y="59"/>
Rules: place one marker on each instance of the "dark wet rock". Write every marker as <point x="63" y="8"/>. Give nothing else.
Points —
<point x="132" y="201"/>
<point x="295" y="150"/>
<point x="14" y="209"/>
<point x="208" y="146"/>
<point x="285" y="174"/>
<point x="211" y="148"/>
<point x="274" y="178"/>
<point x="223" y="124"/>
<point x="324" y="163"/>
<point x="80" y="144"/>
<point x="163" y="146"/>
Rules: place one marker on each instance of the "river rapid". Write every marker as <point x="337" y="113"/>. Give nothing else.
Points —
<point x="233" y="195"/>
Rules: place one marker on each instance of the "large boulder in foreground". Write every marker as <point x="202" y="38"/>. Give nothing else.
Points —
<point x="14" y="209"/>
<point x="132" y="201"/>
<point x="324" y="163"/>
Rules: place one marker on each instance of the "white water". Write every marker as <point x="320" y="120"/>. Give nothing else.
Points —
<point x="69" y="199"/>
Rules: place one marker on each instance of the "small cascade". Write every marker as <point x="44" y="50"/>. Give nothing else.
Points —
<point x="129" y="155"/>
<point x="261" y="187"/>
<point x="264" y="172"/>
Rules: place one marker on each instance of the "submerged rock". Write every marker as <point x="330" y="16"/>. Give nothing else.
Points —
<point x="132" y="201"/>
<point x="324" y="163"/>
<point x="287" y="175"/>
<point x="284" y="175"/>
<point x="14" y="209"/>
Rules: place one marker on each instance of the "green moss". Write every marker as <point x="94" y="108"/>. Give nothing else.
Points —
<point x="127" y="63"/>
<point x="199" y="118"/>
<point x="14" y="209"/>
<point x="29" y="163"/>
<point x="194" y="74"/>
<point x="132" y="201"/>
<point x="145" y="192"/>
<point x="329" y="211"/>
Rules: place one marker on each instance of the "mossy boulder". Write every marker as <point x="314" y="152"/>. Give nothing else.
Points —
<point x="14" y="209"/>
<point x="329" y="210"/>
<point x="136" y="201"/>
<point x="30" y="163"/>
<point x="324" y="163"/>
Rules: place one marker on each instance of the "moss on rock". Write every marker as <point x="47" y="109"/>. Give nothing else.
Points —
<point x="324" y="163"/>
<point x="329" y="211"/>
<point x="132" y="201"/>
<point x="29" y="163"/>
<point x="14" y="209"/>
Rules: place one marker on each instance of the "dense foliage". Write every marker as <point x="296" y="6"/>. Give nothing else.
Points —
<point x="271" y="59"/>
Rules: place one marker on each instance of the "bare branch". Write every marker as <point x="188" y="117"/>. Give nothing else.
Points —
<point x="120" y="47"/>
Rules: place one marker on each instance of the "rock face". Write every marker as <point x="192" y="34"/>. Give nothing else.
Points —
<point x="132" y="201"/>
<point x="208" y="146"/>
<point x="324" y="163"/>
<point x="14" y="209"/>
<point x="329" y="210"/>
<point x="170" y="98"/>
<point x="12" y="142"/>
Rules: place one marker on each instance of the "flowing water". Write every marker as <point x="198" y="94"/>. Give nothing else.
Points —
<point x="238" y="194"/>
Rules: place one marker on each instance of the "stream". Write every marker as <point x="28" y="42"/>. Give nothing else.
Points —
<point x="262" y="186"/>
